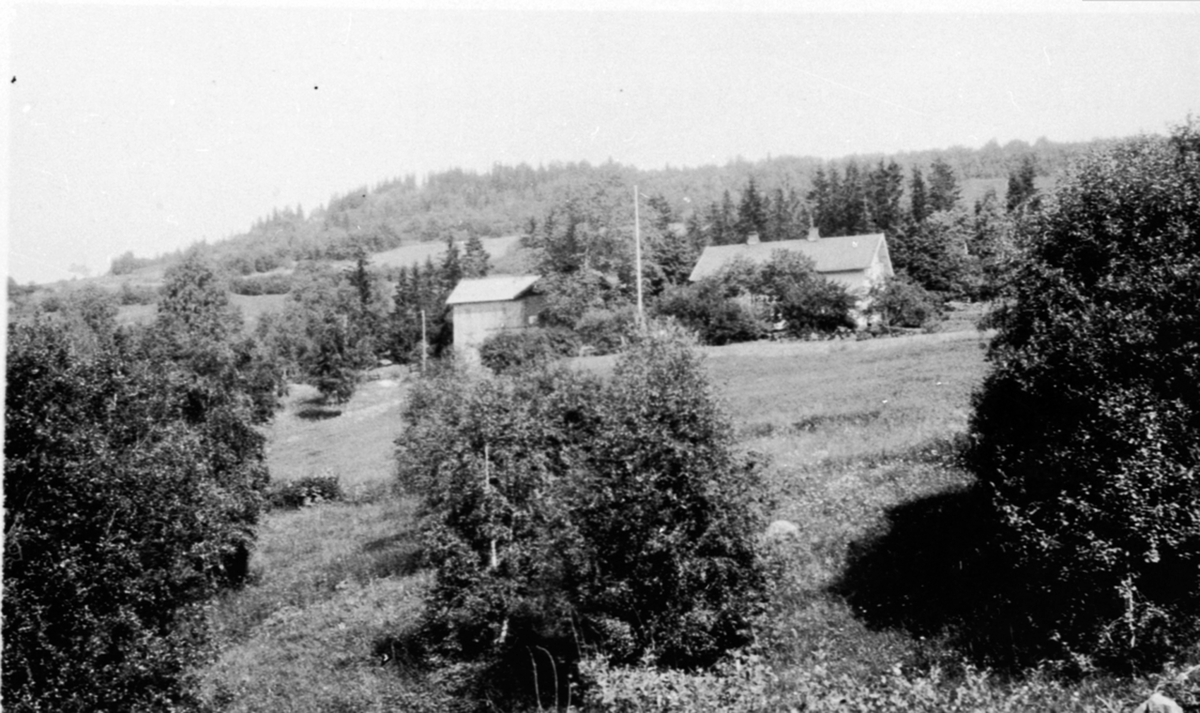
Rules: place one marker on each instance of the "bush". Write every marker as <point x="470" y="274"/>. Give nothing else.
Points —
<point x="306" y="491"/>
<point x="126" y="263"/>
<point x="815" y="306"/>
<point x="705" y="309"/>
<point x="252" y="285"/>
<point x="607" y="331"/>
<point x="900" y="302"/>
<point x="1087" y="429"/>
<point x="132" y="487"/>
<point x="130" y="295"/>
<point x="512" y="350"/>
<point x="568" y="516"/>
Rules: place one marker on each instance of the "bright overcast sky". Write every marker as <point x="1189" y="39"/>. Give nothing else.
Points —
<point x="150" y="127"/>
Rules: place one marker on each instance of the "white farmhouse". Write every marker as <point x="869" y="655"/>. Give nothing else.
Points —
<point x="857" y="262"/>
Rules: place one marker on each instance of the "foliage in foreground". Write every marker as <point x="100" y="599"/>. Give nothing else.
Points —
<point x="133" y="478"/>
<point x="131" y="485"/>
<point x="1087" y="430"/>
<point x="569" y="516"/>
<point x="747" y="683"/>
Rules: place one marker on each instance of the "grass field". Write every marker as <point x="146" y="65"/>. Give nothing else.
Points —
<point x="856" y="435"/>
<point x="417" y="253"/>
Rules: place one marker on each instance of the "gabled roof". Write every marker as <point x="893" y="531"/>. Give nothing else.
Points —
<point x="498" y="288"/>
<point x="844" y="254"/>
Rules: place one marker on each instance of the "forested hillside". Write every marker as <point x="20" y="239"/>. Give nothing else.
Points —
<point x="334" y="289"/>
<point x="502" y="201"/>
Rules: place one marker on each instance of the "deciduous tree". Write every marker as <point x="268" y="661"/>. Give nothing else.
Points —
<point x="1085" y="430"/>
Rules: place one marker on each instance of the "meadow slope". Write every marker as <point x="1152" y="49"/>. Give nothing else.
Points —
<point x="854" y="433"/>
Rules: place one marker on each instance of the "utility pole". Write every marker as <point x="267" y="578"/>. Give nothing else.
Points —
<point x="637" y="251"/>
<point x="424" y="342"/>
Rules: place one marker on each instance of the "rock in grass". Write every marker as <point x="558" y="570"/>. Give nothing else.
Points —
<point x="781" y="530"/>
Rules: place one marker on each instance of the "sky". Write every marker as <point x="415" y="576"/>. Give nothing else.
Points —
<point x="147" y="127"/>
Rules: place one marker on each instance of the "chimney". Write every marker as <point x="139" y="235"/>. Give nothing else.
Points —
<point x="752" y="239"/>
<point x="814" y="233"/>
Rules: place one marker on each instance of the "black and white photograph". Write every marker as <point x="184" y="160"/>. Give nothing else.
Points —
<point x="601" y="356"/>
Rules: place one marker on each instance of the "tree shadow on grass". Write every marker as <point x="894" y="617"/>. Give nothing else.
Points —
<point x="934" y="569"/>
<point x="400" y="554"/>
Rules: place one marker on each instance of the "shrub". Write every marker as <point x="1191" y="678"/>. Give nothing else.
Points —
<point x="816" y="305"/>
<point x="512" y="350"/>
<point x="132" y="488"/>
<point x="306" y="491"/>
<point x="705" y="309"/>
<point x="142" y="295"/>
<point x="126" y="263"/>
<point x="1086" y="429"/>
<point x="566" y="515"/>
<point x="607" y="331"/>
<point x="252" y="285"/>
<point x="900" y="302"/>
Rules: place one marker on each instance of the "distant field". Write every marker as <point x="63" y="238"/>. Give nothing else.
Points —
<point x="408" y="255"/>
<point x="252" y="308"/>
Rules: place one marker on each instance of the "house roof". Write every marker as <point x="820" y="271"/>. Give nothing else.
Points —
<point x="498" y="288"/>
<point x="844" y="254"/>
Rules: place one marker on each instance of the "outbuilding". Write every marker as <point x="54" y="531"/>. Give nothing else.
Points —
<point x="485" y="306"/>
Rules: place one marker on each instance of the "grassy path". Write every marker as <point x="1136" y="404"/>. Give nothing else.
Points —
<point x="329" y="580"/>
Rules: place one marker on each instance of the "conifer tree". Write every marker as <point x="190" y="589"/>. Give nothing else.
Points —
<point x="724" y="231"/>
<point x="884" y="189"/>
<point x="819" y="198"/>
<point x="918" y="199"/>
<point x="475" y="259"/>
<point x="719" y="230"/>
<point x="852" y="199"/>
<point x="661" y="214"/>
<point x="1021" y="188"/>
<point x="452" y="270"/>
<point x="752" y="213"/>
<point x="943" y="186"/>
<point x="785" y="216"/>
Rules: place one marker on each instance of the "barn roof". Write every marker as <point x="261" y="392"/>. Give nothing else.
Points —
<point x="852" y="252"/>
<point x="498" y="288"/>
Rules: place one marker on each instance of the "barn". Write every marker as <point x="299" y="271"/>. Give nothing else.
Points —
<point x="857" y="262"/>
<point x="488" y="305"/>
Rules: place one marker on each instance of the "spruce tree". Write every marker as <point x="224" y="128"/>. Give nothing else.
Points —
<point x="884" y="189"/>
<point x="724" y="228"/>
<point x="852" y="200"/>
<point x="943" y="186"/>
<point x="475" y="260"/>
<point x="1021" y="188"/>
<point x="752" y="214"/>
<point x="819" y="198"/>
<point x="918" y="199"/>
<point x="452" y="270"/>
<point x="784" y="216"/>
